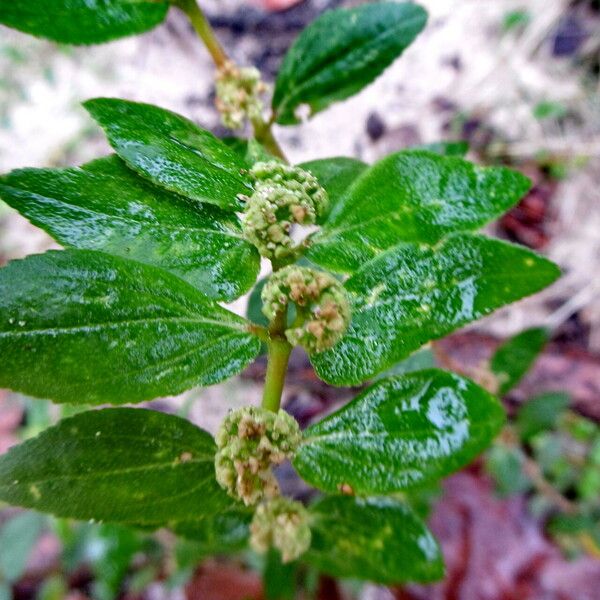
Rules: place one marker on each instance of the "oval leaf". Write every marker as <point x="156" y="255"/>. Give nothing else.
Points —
<point x="400" y="433"/>
<point x="336" y="175"/>
<point x="342" y="52"/>
<point x="171" y="151"/>
<point x="515" y="356"/>
<point x="412" y="196"/>
<point x="412" y="294"/>
<point x="378" y="539"/>
<point x="118" y="464"/>
<point x="84" y="327"/>
<point x="105" y="206"/>
<point x="82" y="21"/>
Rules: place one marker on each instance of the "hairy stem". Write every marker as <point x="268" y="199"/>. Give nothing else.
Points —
<point x="203" y="29"/>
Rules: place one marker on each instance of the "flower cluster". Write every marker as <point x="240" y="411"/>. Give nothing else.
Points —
<point x="250" y="441"/>
<point x="281" y="523"/>
<point x="238" y="94"/>
<point x="283" y="196"/>
<point x="321" y="303"/>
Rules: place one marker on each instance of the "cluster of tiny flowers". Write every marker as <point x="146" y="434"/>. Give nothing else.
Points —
<point x="281" y="523"/>
<point x="318" y="297"/>
<point x="250" y="441"/>
<point x="283" y="196"/>
<point x="238" y="94"/>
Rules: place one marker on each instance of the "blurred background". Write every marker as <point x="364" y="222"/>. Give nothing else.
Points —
<point x="519" y="80"/>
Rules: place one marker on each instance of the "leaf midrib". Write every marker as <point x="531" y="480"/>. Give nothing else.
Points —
<point x="111" y="324"/>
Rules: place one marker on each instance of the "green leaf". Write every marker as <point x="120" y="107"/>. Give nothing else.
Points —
<point x="541" y="413"/>
<point x="335" y="175"/>
<point x="412" y="196"/>
<point x="342" y="52"/>
<point x="418" y="361"/>
<point x="105" y="206"/>
<point x="549" y="110"/>
<point x="118" y="465"/>
<point x="457" y="148"/>
<point x="223" y="533"/>
<point x="116" y="546"/>
<point x="82" y="21"/>
<point x="378" y="539"/>
<point x="279" y="579"/>
<point x="505" y="465"/>
<point x="412" y="294"/>
<point x="84" y="327"/>
<point x="17" y="539"/>
<point x="400" y="433"/>
<point x="249" y="150"/>
<point x="515" y="356"/>
<point x="173" y="152"/>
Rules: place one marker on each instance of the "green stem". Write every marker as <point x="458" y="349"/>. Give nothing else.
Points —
<point x="278" y="356"/>
<point x="204" y="30"/>
<point x="264" y="134"/>
<point x="262" y="129"/>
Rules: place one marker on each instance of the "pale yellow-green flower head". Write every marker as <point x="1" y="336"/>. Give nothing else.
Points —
<point x="283" y="524"/>
<point x="249" y="442"/>
<point x="239" y="91"/>
<point x="319" y="298"/>
<point x="283" y="196"/>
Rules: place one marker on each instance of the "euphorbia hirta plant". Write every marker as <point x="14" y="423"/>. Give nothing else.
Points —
<point x="369" y="263"/>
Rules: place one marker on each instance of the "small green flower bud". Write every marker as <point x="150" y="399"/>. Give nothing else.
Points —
<point x="283" y="524"/>
<point x="249" y="441"/>
<point x="284" y="196"/>
<point x="238" y="92"/>
<point x="318" y="296"/>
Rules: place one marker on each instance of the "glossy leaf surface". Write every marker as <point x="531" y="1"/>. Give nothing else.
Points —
<point x="106" y="206"/>
<point x="414" y="196"/>
<point x="412" y="294"/>
<point x="515" y="356"/>
<point x="336" y="175"/>
<point x="172" y="151"/>
<point x="84" y="327"/>
<point x="378" y="539"/>
<point x="118" y="464"/>
<point x="82" y="21"/>
<point x="341" y="52"/>
<point x="400" y="433"/>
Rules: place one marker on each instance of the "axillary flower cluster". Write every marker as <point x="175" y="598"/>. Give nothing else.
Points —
<point x="238" y="94"/>
<point x="251" y="440"/>
<point x="322" y="308"/>
<point x="283" y="196"/>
